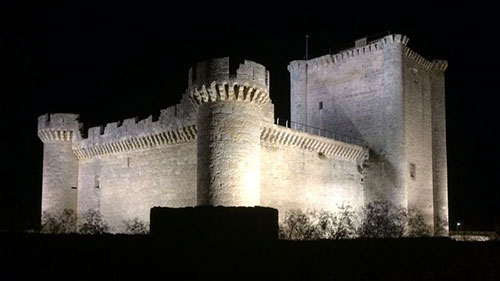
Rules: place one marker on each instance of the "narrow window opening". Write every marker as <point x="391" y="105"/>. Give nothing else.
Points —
<point x="73" y="187"/>
<point x="96" y="181"/>
<point x="320" y="105"/>
<point x="413" y="171"/>
<point x="128" y="162"/>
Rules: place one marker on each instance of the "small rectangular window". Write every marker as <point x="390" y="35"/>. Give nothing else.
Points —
<point x="73" y="187"/>
<point x="96" y="181"/>
<point x="413" y="171"/>
<point x="320" y="105"/>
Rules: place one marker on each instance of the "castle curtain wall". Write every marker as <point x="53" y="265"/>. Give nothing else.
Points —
<point x="128" y="185"/>
<point x="297" y="178"/>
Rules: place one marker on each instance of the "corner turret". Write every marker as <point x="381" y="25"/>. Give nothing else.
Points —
<point x="60" y="166"/>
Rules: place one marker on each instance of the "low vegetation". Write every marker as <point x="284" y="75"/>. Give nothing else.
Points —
<point x="136" y="226"/>
<point x="375" y="220"/>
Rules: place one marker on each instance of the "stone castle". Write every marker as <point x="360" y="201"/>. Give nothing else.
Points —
<point x="367" y="124"/>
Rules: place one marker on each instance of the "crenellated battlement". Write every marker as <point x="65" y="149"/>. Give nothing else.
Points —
<point x="417" y="58"/>
<point x="296" y="65"/>
<point x="439" y="65"/>
<point x="351" y="53"/>
<point x="229" y="90"/>
<point x="173" y="125"/>
<point x="370" y="48"/>
<point x="134" y="143"/>
<point x="132" y="132"/>
<point x="220" y="70"/>
<point x="58" y="127"/>
<point x="394" y="38"/>
<point x="278" y="135"/>
<point x="214" y="80"/>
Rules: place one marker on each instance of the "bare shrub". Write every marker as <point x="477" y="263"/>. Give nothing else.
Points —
<point x="300" y="225"/>
<point x="338" y="225"/>
<point x="380" y="219"/>
<point x="313" y="224"/>
<point x="377" y="219"/>
<point x="136" y="226"/>
<point x="416" y="224"/>
<point x="93" y="223"/>
<point x="60" y="223"/>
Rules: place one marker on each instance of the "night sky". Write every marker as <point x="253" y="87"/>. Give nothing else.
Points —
<point x="110" y="62"/>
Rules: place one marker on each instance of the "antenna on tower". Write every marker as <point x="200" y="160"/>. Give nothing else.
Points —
<point x="307" y="47"/>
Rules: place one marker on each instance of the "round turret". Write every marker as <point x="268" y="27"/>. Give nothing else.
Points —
<point x="228" y="123"/>
<point x="60" y="166"/>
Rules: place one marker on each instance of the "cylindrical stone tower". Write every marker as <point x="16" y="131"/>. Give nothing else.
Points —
<point x="60" y="166"/>
<point x="228" y="124"/>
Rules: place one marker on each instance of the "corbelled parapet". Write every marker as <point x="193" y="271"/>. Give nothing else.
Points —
<point x="212" y="80"/>
<point x="395" y="38"/>
<point x="277" y="135"/>
<point x="439" y="65"/>
<point x="58" y="127"/>
<point x="350" y="53"/>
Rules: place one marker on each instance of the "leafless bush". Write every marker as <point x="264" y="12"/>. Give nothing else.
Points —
<point x="136" y="226"/>
<point x="60" y="223"/>
<point x="338" y="225"/>
<point x="300" y="225"/>
<point x="313" y="224"/>
<point x="377" y="219"/>
<point x="382" y="220"/>
<point x="93" y="223"/>
<point x="416" y="224"/>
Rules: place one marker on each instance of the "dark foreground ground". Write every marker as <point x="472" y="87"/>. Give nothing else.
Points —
<point x="27" y="256"/>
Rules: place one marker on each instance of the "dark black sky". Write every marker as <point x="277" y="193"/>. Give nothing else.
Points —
<point x="114" y="61"/>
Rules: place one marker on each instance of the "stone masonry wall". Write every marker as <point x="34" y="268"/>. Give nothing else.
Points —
<point x="303" y="171"/>
<point x="229" y="153"/>
<point x="128" y="185"/>
<point x="127" y="167"/>
<point x="381" y="93"/>
<point x="60" y="166"/>
<point x="418" y="136"/>
<point x="359" y="93"/>
<point x="439" y="159"/>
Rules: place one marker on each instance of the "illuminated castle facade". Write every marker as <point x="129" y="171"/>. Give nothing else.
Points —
<point x="367" y="124"/>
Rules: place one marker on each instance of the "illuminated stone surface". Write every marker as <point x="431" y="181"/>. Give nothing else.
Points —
<point x="393" y="99"/>
<point x="220" y="146"/>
